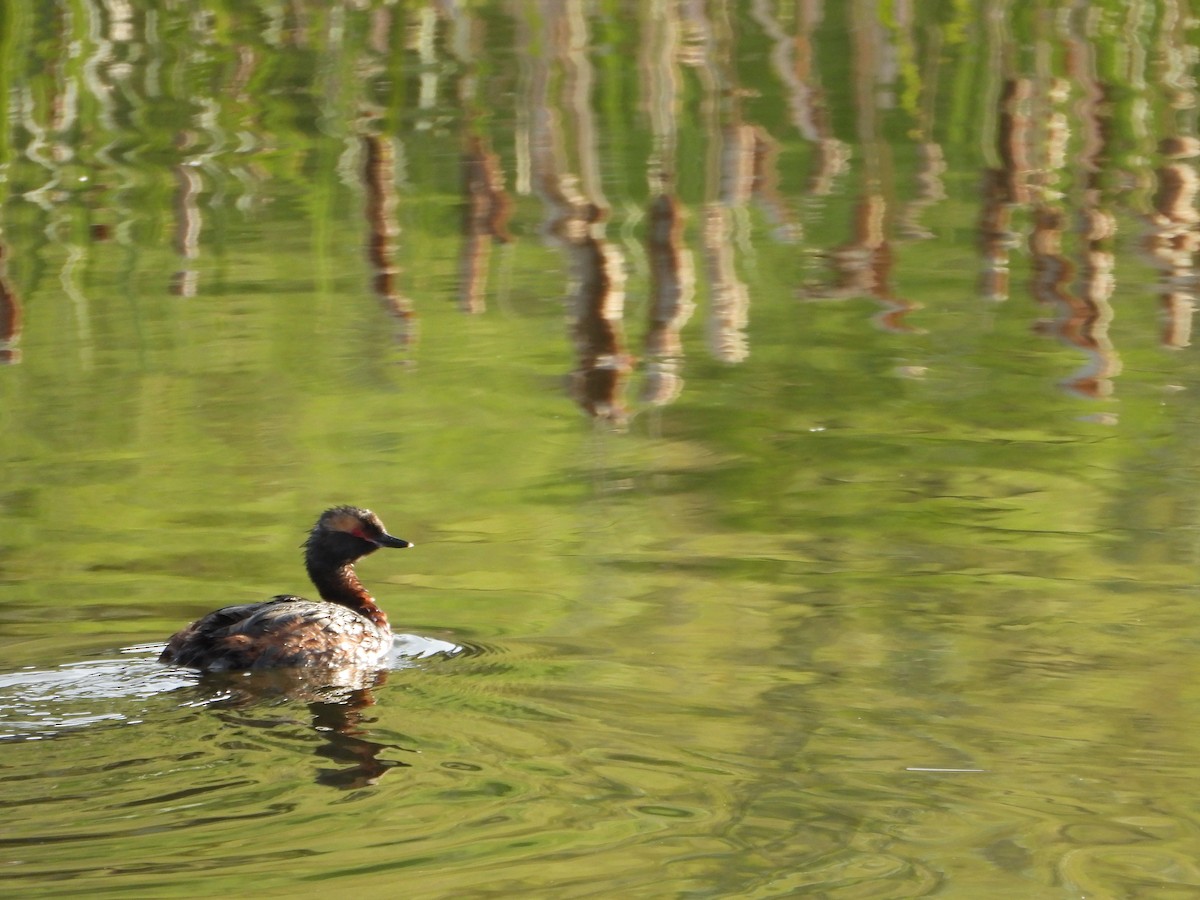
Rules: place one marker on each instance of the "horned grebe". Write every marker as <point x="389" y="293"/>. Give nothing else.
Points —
<point x="343" y="629"/>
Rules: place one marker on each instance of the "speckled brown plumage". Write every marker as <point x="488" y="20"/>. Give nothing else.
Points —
<point x="344" y="629"/>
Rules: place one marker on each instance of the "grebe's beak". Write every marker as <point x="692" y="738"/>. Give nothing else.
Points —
<point x="386" y="540"/>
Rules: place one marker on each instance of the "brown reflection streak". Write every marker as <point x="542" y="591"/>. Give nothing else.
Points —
<point x="1033" y="133"/>
<point x="188" y="225"/>
<point x="863" y="268"/>
<point x="597" y="303"/>
<point x="379" y="33"/>
<point x="1004" y="188"/>
<point x="1052" y="271"/>
<point x="672" y="275"/>
<point x="931" y="165"/>
<point x="382" y="228"/>
<point x="1173" y="239"/>
<point x="742" y="175"/>
<point x="486" y="211"/>
<point x="660" y="85"/>
<point x="930" y="190"/>
<point x="10" y="315"/>
<point x="575" y="221"/>
<point x="996" y="236"/>
<point x="731" y="177"/>
<point x="1082" y="315"/>
<point x="672" y="285"/>
<point x="1077" y="322"/>
<point x="764" y="182"/>
<point x="729" y="296"/>
<point x="486" y="204"/>
<point x="811" y="110"/>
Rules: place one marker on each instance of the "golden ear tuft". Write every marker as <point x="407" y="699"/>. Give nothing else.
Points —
<point x="343" y="521"/>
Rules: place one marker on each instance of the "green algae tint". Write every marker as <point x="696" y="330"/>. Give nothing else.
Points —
<point x="792" y="406"/>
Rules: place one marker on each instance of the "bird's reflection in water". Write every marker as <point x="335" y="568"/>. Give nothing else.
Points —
<point x="336" y="702"/>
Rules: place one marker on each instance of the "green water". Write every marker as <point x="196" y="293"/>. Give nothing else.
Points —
<point x="791" y="405"/>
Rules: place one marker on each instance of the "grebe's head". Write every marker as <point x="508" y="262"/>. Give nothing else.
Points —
<point x="346" y="533"/>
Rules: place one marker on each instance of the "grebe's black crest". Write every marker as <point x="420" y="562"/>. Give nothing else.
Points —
<point x="346" y="628"/>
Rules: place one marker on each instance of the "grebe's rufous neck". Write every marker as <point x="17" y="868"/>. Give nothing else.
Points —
<point x="346" y="628"/>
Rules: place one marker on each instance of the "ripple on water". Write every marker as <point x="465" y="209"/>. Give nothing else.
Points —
<point x="42" y="703"/>
<point x="468" y="757"/>
<point x="36" y="704"/>
<point x="502" y="768"/>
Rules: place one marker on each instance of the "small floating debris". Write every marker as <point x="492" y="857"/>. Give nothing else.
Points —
<point x="942" y="770"/>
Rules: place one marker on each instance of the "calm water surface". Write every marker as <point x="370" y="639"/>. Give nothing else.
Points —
<point x="792" y="405"/>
